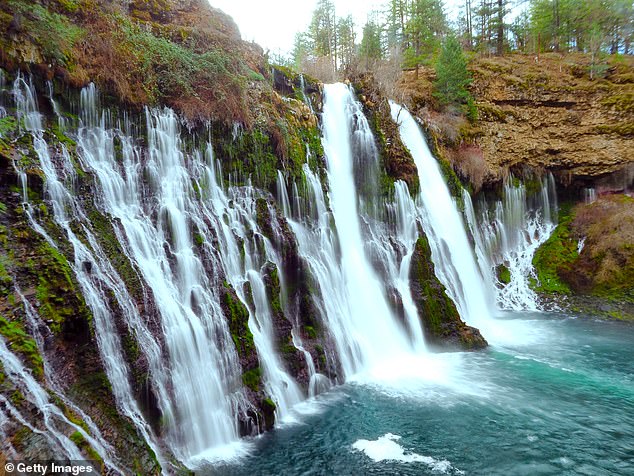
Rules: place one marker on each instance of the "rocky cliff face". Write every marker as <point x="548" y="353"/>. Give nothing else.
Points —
<point x="542" y="112"/>
<point x="259" y="119"/>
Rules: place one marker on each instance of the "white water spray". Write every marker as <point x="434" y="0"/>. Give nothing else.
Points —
<point x="452" y="254"/>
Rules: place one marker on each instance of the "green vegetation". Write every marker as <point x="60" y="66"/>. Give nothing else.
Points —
<point x="620" y="102"/>
<point x="169" y="68"/>
<point x="452" y="79"/>
<point x="103" y="229"/>
<point x="83" y="445"/>
<point x="426" y="23"/>
<point x="310" y="332"/>
<point x="55" y="34"/>
<point x="55" y="284"/>
<point x="558" y="254"/>
<point x="435" y="307"/>
<point x="238" y="318"/>
<point x="253" y="379"/>
<point x="503" y="274"/>
<point x="68" y="413"/>
<point x="22" y="343"/>
<point x="275" y="290"/>
<point x="8" y="126"/>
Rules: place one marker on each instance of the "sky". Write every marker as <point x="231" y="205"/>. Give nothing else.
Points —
<point x="273" y="23"/>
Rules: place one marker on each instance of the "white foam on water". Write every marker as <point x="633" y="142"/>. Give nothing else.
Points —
<point x="386" y="448"/>
<point x="232" y="452"/>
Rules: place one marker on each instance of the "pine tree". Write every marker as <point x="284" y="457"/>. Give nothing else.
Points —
<point x="370" y="48"/>
<point x="452" y="78"/>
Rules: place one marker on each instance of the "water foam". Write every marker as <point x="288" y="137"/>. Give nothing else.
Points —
<point x="386" y="448"/>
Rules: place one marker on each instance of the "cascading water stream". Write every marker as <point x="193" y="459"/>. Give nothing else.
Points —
<point x="508" y="234"/>
<point x="452" y="254"/>
<point x="51" y="416"/>
<point x="244" y="252"/>
<point x="101" y="276"/>
<point x="357" y="311"/>
<point x="203" y="363"/>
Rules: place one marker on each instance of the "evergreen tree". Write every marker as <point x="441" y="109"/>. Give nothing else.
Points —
<point x="302" y="50"/>
<point x="323" y="31"/>
<point x="452" y="78"/>
<point x="346" y="41"/>
<point x="370" y="48"/>
<point x="426" y="25"/>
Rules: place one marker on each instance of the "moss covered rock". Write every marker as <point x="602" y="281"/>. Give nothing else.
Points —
<point x="442" y="325"/>
<point x="590" y="258"/>
<point x="397" y="161"/>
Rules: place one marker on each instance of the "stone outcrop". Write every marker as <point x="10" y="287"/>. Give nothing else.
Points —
<point x="442" y="325"/>
<point x="545" y="113"/>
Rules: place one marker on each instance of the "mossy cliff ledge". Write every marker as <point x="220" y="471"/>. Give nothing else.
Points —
<point x="442" y="325"/>
<point x="587" y="264"/>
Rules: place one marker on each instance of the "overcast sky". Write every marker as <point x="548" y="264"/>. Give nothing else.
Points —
<point x="273" y="23"/>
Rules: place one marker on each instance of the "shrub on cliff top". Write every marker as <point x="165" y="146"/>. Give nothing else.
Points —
<point x="452" y="78"/>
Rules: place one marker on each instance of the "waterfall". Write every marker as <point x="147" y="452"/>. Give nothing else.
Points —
<point x="508" y="234"/>
<point x="101" y="278"/>
<point x="589" y="195"/>
<point x="203" y="364"/>
<point x="245" y="252"/>
<point x="452" y="254"/>
<point x="356" y="308"/>
<point x="51" y="416"/>
<point x="190" y="240"/>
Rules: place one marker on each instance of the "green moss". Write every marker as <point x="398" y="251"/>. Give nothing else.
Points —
<point x="8" y="126"/>
<point x="254" y="75"/>
<point x="83" y="445"/>
<point x="17" y="398"/>
<point x="71" y="6"/>
<point x="621" y="102"/>
<point x="68" y="413"/>
<point x="55" y="284"/>
<point x="270" y="404"/>
<point x="238" y="317"/>
<point x="275" y="290"/>
<point x="253" y="379"/>
<point x="250" y="154"/>
<point x="263" y="217"/>
<point x="557" y="254"/>
<point x="437" y="308"/>
<point x="22" y="343"/>
<point x="287" y="347"/>
<point x="20" y="436"/>
<point x="199" y="240"/>
<point x="490" y="112"/>
<point x="130" y="347"/>
<point x="321" y="356"/>
<point x="622" y="128"/>
<point x="503" y="274"/>
<point x="103" y="230"/>
<point x="5" y="278"/>
<point x="453" y="182"/>
<point x="61" y="136"/>
<point x="52" y="32"/>
<point x="310" y="332"/>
